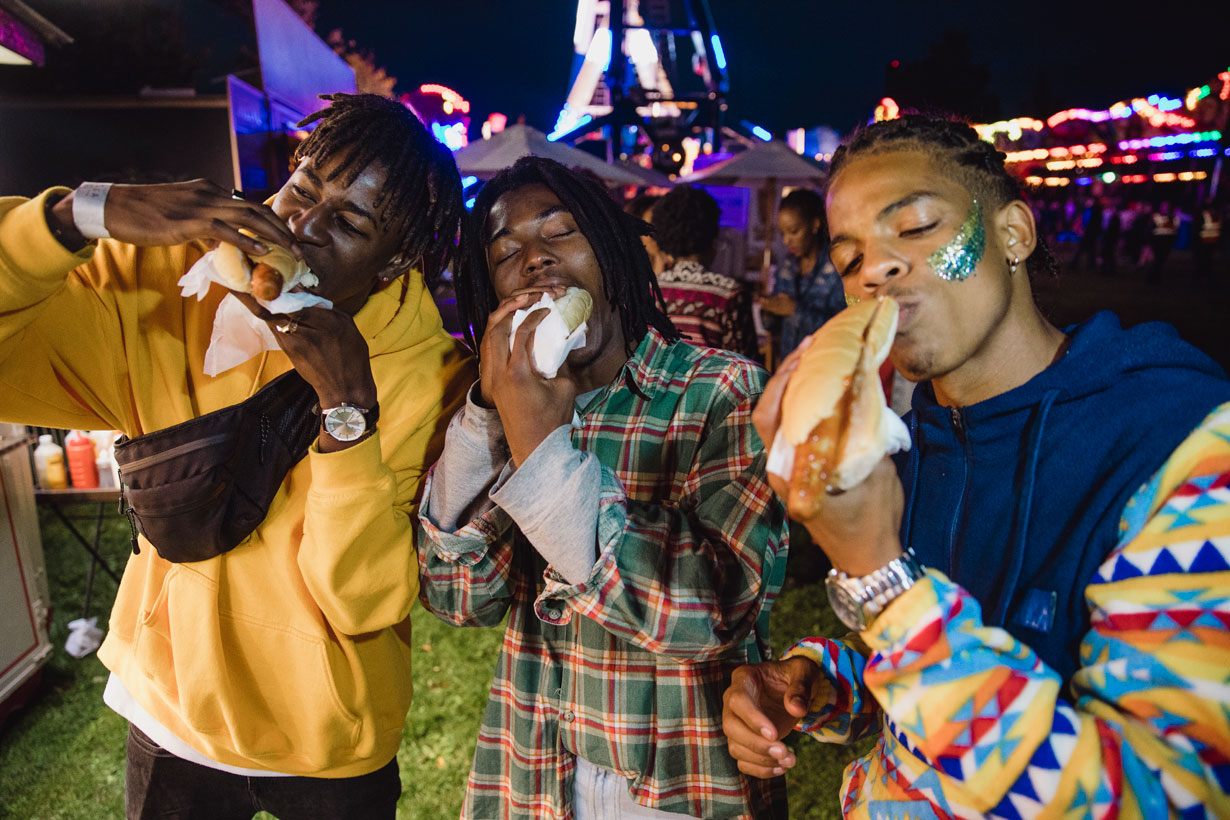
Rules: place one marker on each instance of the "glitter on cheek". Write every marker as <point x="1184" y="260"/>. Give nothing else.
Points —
<point x="956" y="260"/>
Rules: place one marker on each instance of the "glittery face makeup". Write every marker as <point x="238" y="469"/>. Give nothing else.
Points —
<point x="956" y="259"/>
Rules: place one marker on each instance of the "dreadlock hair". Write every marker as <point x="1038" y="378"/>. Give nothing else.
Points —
<point x="686" y="221"/>
<point x="956" y="146"/>
<point x="628" y="279"/>
<point x="422" y="191"/>
<point x="809" y="205"/>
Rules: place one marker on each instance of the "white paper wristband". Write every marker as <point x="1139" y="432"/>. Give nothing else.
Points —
<point x="88" y="202"/>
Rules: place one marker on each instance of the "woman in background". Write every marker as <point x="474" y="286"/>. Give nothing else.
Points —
<point x="807" y="289"/>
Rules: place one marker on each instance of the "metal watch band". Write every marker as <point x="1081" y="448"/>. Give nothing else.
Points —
<point x="857" y="600"/>
<point x="890" y="582"/>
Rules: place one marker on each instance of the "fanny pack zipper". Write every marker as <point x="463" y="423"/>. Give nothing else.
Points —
<point x="174" y="451"/>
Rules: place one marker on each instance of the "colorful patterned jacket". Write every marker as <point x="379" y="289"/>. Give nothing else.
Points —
<point x="974" y="724"/>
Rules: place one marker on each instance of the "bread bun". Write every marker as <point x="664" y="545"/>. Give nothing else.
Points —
<point x="833" y="408"/>
<point x="574" y="307"/>
<point x="265" y="277"/>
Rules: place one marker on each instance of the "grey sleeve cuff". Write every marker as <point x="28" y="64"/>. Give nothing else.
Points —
<point x="553" y="498"/>
<point x="474" y="454"/>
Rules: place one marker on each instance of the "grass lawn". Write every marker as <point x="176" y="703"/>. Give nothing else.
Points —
<point x="62" y="757"/>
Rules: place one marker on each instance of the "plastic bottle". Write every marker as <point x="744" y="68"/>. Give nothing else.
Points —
<point x="49" y="464"/>
<point x="81" y="465"/>
<point x="108" y="474"/>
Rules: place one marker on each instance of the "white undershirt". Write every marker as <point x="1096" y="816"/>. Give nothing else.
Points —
<point x="121" y="701"/>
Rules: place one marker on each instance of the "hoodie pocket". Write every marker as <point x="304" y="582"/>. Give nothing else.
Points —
<point x="258" y="687"/>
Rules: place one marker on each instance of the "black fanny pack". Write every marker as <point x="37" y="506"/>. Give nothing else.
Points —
<point x="198" y="489"/>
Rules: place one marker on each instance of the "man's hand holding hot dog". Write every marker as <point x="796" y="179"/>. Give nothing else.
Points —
<point x="857" y="527"/>
<point x="530" y="405"/>
<point x="171" y="213"/>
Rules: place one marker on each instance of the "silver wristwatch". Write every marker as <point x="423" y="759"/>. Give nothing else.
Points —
<point x="347" y="422"/>
<point x="857" y="600"/>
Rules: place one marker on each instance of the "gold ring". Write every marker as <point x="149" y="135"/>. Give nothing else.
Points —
<point x="287" y="327"/>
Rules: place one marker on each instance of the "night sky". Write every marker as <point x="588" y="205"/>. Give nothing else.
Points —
<point x="803" y="62"/>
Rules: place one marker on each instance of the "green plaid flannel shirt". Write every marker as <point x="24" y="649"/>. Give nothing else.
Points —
<point x="627" y="669"/>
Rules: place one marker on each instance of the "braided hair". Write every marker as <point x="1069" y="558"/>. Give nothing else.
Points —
<point x="628" y="279"/>
<point x="422" y="189"/>
<point x="686" y="221"/>
<point x="954" y="144"/>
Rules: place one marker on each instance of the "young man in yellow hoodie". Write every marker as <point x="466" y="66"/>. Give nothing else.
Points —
<point x="275" y="676"/>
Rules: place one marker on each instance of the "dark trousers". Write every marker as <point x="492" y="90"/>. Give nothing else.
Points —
<point x="161" y="785"/>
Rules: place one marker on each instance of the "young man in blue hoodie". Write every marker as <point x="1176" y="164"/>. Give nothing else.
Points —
<point x="1041" y="586"/>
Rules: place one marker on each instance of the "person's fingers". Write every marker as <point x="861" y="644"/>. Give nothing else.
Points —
<point x="757" y="758"/>
<point x="801" y="681"/>
<point x="762" y="772"/>
<point x="523" y="345"/>
<point x="262" y="221"/>
<point x="222" y="231"/>
<point x="506" y="308"/>
<point x="742" y="707"/>
<point x="219" y="204"/>
<point x="499" y="327"/>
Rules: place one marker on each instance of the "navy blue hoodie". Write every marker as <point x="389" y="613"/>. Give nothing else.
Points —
<point x="1018" y="498"/>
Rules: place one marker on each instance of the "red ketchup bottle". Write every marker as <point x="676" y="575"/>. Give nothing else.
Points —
<point x="79" y="449"/>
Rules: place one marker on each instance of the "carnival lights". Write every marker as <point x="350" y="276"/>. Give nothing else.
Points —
<point x="1013" y="128"/>
<point x="1171" y="139"/>
<point x="1158" y="118"/>
<point x="887" y="110"/>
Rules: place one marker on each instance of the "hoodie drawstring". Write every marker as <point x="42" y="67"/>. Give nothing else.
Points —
<point x="1016" y="555"/>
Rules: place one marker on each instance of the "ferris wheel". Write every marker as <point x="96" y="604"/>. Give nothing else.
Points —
<point x="665" y="81"/>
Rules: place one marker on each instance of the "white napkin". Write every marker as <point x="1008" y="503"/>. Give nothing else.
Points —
<point x="552" y="341"/>
<point x="238" y="335"/>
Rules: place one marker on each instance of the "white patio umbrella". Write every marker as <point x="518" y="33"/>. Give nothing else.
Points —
<point x="486" y="158"/>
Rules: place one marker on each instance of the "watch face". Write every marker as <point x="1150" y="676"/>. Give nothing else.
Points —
<point x="345" y="423"/>
<point x="845" y="606"/>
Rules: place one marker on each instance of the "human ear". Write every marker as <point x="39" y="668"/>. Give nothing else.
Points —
<point x="1018" y="235"/>
<point x="395" y="267"/>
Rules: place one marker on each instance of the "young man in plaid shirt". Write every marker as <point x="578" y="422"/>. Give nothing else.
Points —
<point x="618" y="514"/>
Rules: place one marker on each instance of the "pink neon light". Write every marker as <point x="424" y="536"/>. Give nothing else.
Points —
<point x="459" y="102"/>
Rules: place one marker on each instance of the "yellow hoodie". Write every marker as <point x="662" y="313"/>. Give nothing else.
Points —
<point x="290" y="653"/>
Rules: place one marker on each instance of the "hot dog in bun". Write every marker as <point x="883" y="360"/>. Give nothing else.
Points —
<point x="265" y="277"/>
<point x="834" y="414"/>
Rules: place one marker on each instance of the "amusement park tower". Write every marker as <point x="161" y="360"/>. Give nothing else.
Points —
<point x="645" y="73"/>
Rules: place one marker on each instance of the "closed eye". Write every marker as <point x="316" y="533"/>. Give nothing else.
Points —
<point x="919" y="231"/>
<point x="348" y="227"/>
<point x="852" y="267"/>
<point x="300" y="191"/>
